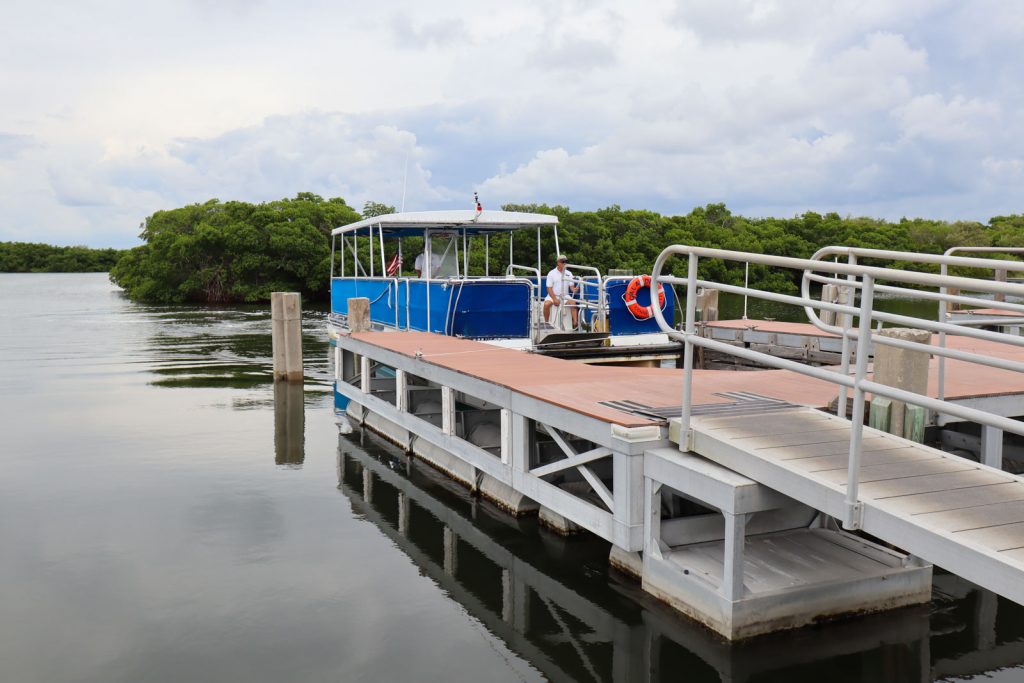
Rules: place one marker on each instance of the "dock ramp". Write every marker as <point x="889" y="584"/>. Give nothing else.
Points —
<point x="956" y="513"/>
<point x="964" y="516"/>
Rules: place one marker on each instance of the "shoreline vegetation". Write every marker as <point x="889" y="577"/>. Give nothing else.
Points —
<point x="34" y="257"/>
<point x="239" y="252"/>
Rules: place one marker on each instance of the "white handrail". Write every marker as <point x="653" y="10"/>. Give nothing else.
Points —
<point x="943" y="311"/>
<point x="858" y="277"/>
<point x="942" y="296"/>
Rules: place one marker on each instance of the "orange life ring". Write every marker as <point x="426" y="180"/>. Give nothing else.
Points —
<point x="642" y="312"/>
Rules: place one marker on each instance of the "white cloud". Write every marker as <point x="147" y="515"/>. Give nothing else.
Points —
<point x="932" y="117"/>
<point x="867" y="106"/>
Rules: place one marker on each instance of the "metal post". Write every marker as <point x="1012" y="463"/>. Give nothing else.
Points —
<point x="944" y="272"/>
<point x="487" y="254"/>
<point x="689" y="330"/>
<point x="427" y="264"/>
<point x="746" y="286"/>
<point x="383" y="266"/>
<point x="539" y="261"/>
<point x="844" y="362"/>
<point x="334" y="241"/>
<point x="370" y="237"/>
<point x="867" y="296"/>
<point x="465" y="252"/>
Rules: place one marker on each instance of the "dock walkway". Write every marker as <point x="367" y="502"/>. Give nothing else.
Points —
<point x="961" y="515"/>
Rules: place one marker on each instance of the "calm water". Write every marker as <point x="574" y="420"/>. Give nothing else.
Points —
<point x="163" y="518"/>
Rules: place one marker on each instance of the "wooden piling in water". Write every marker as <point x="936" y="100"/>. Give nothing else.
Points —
<point x="903" y="369"/>
<point x="286" y="336"/>
<point x="359" y="314"/>
<point x="707" y="305"/>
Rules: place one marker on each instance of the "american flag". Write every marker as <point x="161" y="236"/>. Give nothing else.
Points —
<point x="395" y="265"/>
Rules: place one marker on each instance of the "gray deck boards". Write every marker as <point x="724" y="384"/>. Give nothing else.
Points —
<point x="952" y="511"/>
<point x="783" y="560"/>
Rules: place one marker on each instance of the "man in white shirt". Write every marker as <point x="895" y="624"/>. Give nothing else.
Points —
<point x="560" y="286"/>
<point x="435" y="265"/>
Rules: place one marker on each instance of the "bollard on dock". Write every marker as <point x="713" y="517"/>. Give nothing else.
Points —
<point x="286" y="335"/>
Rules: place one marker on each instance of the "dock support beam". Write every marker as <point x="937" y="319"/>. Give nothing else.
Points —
<point x="735" y="538"/>
<point x="448" y="411"/>
<point x="286" y="335"/>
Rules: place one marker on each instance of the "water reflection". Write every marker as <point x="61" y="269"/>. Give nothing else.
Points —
<point x="555" y="603"/>
<point x="289" y="424"/>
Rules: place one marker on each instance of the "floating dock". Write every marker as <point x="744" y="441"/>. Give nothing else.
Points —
<point x="739" y="533"/>
<point x="736" y="497"/>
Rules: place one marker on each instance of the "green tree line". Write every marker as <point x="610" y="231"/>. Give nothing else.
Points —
<point x="229" y="252"/>
<point x="233" y="252"/>
<point x="31" y="257"/>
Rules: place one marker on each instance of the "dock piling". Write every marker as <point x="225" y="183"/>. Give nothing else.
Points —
<point x="359" y="314"/>
<point x="286" y="335"/>
<point x="902" y="369"/>
<point x="707" y="305"/>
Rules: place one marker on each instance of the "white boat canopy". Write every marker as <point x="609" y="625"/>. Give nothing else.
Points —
<point x="413" y="223"/>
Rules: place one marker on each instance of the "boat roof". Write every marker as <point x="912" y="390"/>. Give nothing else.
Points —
<point x="415" y="222"/>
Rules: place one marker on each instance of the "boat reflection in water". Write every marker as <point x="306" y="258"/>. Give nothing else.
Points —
<point x="556" y="603"/>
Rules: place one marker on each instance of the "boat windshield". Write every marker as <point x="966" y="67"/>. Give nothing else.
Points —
<point x="443" y="256"/>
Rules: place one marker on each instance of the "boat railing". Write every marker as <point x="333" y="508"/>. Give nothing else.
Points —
<point x="512" y="267"/>
<point x="860" y="279"/>
<point x="599" y="307"/>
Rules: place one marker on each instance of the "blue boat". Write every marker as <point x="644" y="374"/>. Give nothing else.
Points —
<point x="454" y="297"/>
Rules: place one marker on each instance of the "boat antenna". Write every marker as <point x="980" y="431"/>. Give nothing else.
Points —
<point x="405" y="180"/>
<point x="479" y="206"/>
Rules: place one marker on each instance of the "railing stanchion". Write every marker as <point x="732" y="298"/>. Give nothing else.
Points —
<point x="844" y="362"/>
<point x="867" y="295"/>
<point x="746" y="286"/>
<point x="689" y="330"/>
<point x="944" y="272"/>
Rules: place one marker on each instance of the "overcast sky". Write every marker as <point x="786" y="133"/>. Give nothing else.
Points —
<point x="113" y="110"/>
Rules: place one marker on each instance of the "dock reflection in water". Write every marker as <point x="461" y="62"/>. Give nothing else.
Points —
<point x="516" y="578"/>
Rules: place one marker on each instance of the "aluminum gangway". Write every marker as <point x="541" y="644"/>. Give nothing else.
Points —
<point x="965" y="516"/>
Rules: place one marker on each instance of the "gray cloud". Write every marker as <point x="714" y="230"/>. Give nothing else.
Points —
<point x="13" y="144"/>
<point x="439" y="33"/>
<point x="865" y="106"/>
<point x="574" y="54"/>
